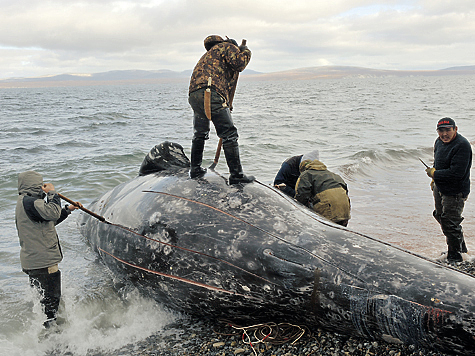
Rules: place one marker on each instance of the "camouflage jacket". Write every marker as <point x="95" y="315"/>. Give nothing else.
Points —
<point x="222" y="62"/>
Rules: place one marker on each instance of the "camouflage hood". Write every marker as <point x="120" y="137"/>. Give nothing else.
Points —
<point x="212" y="40"/>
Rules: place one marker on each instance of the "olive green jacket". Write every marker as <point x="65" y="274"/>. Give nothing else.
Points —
<point x="325" y="191"/>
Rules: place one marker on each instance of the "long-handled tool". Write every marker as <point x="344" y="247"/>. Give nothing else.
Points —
<point x="216" y="156"/>
<point x="101" y="218"/>
<point x="231" y="98"/>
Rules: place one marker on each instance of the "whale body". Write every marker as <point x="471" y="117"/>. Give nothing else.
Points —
<point x="249" y="252"/>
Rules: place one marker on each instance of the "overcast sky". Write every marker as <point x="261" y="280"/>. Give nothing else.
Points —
<point x="48" y="37"/>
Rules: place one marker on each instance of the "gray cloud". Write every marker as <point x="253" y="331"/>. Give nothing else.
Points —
<point x="52" y="37"/>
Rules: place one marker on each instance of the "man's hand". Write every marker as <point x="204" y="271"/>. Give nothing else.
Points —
<point x="230" y="40"/>
<point x="280" y="186"/>
<point x="47" y="187"/>
<point x="430" y="172"/>
<point x="76" y="206"/>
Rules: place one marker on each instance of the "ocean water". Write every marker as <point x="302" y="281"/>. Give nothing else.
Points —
<point x="87" y="140"/>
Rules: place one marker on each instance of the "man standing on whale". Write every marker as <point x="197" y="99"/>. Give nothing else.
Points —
<point x="451" y="184"/>
<point x="211" y="93"/>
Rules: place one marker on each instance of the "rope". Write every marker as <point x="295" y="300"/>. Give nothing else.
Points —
<point x="270" y="333"/>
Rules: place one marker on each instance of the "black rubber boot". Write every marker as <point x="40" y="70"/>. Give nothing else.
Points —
<point x="231" y="151"/>
<point x="196" y="170"/>
<point x="454" y="256"/>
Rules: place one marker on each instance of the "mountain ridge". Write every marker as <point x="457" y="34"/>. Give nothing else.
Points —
<point x="164" y="75"/>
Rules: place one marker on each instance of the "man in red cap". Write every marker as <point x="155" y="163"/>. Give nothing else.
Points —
<point x="451" y="178"/>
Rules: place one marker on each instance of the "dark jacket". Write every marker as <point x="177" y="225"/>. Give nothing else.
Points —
<point x="35" y="221"/>
<point x="222" y="62"/>
<point x="327" y="192"/>
<point x="289" y="173"/>
<point x="452" y="163"/>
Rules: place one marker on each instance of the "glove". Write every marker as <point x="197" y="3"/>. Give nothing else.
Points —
<point x="230" y="40"/>
<point x="242" y="48"/>
<point x="430" y="172"/>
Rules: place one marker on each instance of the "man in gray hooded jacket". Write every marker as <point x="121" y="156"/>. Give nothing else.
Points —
<point x="40" y="251"/>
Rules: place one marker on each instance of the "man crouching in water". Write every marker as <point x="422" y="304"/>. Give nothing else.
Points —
<point x="40" y="251"/>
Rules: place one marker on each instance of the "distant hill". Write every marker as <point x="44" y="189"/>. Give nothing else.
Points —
<point x="461" y="68"/>
<point x="335" y="72"/>
<point x="156" y="76"/>
<point x="107" y="76"/>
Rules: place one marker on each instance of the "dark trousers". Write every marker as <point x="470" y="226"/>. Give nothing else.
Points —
<point x="49" y="287"/>
<point x="225" y="129"/>
<point x="448" y="212"/>
<point x="220" y="116"/>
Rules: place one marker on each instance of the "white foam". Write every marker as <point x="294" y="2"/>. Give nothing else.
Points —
<point x="92" y="323"/>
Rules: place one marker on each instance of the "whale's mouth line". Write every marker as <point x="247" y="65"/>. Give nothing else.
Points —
<point x="185" y="280"/>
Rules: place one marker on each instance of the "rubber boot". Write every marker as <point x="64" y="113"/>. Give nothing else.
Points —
<point x="197" y="147"/>
<point x="454" y="256"/>
<point x="231" y="151"/>
<point x="455" y="241"/>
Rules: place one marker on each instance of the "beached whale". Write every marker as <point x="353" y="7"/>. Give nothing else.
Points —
<point x="248" y="252"/>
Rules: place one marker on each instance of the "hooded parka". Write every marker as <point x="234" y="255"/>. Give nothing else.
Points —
<point x="35" y="221"/>
<point x="325" y="191"/>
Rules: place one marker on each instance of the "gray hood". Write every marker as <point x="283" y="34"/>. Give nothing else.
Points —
<point x="310" y="156"/>
<point x="30" y="183"/>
